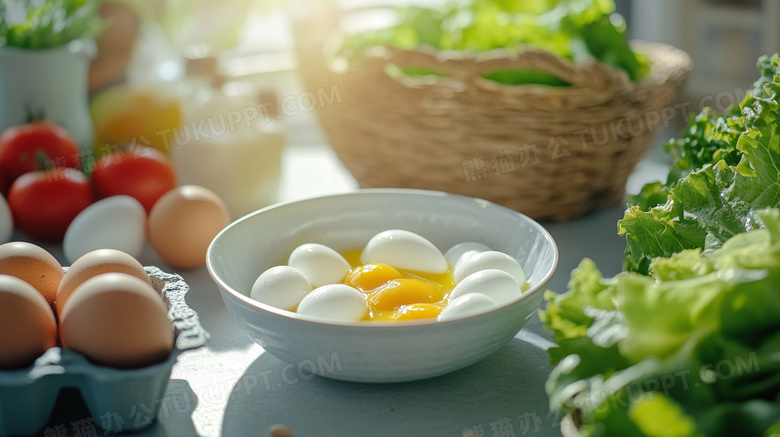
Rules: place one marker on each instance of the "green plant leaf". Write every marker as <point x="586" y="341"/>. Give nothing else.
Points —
<point x="692" y="349"/>
<point x="573" y="29"/>
<point x="525" y="77"/>
<point x="48" y="24"/>
<point x="711" y="204"/>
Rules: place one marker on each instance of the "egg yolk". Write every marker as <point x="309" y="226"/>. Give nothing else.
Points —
<point x="371" y="276"/>
<point x="398" y="295"/>
<point x="417" y="311"/>
<point x="399" y="292"/>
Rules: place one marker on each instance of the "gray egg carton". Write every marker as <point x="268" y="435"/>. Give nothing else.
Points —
<point x="28" y="396"/>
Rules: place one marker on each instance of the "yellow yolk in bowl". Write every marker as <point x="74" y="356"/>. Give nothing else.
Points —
<point x="399" y="292"/>
<point x="417" y="311"/>
<point x="370" y="276"/>
<point x="397" y="295"/>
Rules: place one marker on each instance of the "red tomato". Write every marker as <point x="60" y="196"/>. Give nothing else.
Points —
<point x="2" y="182"/>
<point x="43" y="203"/>
<point x="23" y="147"/>
<point x="142" y="173"/>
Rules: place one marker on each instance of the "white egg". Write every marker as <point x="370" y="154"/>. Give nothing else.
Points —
<point x="117" y="222"/>
<point x="337" y="302"/>
<point x="281" y="286"/>
<point x="488" y="260"/>
<point x="404" y="250"/>
<point x="465" y="306"/>
<point x="321" y="264"/>
<point x="6" y="221"/>
<point x="459" y="250"/>
<point x="498" y="285"/>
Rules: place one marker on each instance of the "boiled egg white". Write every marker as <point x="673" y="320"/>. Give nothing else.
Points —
<point x="321" y="264"/>
<point x="117" y="222"/>
<point x="498" y="285"/>
<point x="488" y="260"/>
<point x="6" y="221"/>
<point x="465" y="306"/>
<point x="459" y="250"/>
<point x="281" y="286"/>
<point x="337" y="302"/>
<point x="404" y="250"/>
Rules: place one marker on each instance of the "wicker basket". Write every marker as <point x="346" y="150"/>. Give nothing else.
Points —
<point x="548" y="152"/>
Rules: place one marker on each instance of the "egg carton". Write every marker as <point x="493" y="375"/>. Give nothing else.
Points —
<point x="28" y="396"/>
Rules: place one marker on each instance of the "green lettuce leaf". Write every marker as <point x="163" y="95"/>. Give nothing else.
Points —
<point x="692" y="349"/>
<point x="589" y="289"/>
<point x="712" y="204"/>
<point x="573" y="29"/>
<point x="525" y="77"/>
<point x="709" y="138"/>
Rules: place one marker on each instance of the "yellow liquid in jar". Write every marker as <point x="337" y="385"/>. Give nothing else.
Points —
<point x="398" y="295"/>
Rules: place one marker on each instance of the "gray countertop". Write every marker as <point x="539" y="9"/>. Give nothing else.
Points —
<point x="230" y="387"/>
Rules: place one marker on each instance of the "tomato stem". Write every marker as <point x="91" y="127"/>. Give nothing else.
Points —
<point x="32" y="116"/>
<point x="42" y="161"/>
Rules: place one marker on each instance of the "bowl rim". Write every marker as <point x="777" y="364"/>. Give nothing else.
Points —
<point x="244" y="299"/>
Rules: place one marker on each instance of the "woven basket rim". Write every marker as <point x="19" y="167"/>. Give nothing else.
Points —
<point x="421" y="132"/>
<point x="656" y="52"/>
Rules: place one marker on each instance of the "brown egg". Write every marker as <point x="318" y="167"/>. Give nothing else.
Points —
<point x="183" y="223"/>
<point x="33" y="265"/>
<point x="27" y="324"/>
<point x="95" y="263"/>
<point x="117" y="320"/>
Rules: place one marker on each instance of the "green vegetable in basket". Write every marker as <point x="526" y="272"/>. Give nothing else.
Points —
<point x="729" y="167"/>
<point x="30" y="24"/>
<point x="574" y="29"/>
<point x="692" y="350"/>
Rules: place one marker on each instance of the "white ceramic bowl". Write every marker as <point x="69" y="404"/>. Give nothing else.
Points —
<point x="377" y="351"/>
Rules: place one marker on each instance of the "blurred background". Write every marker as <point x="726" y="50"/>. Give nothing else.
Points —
<point x="163" y="65"/>
<point x="253" y="42"/>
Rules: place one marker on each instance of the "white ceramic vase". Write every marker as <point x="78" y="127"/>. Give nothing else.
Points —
<point x="51" y="82"/>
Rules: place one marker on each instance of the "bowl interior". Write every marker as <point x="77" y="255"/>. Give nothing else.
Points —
<point x="265" y="238"/>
